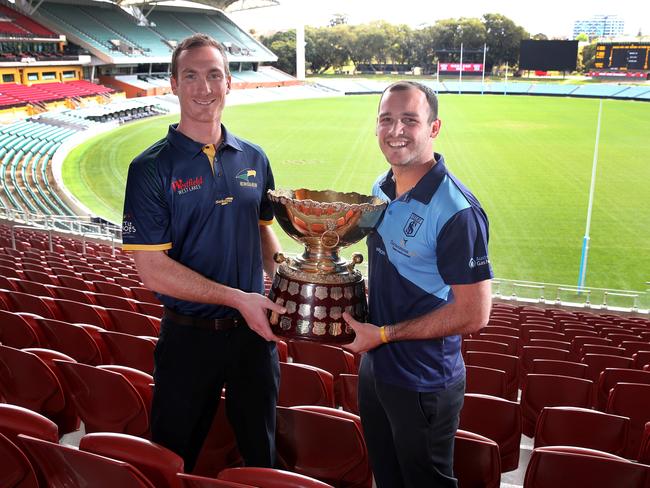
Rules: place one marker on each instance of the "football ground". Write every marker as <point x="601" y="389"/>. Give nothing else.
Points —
<point x="527" y="159"/>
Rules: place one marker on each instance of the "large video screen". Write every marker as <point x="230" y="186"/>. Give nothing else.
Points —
<point x="548" y="55"/>
<point x="623" y="56"/>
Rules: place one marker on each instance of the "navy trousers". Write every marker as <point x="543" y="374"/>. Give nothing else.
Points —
<point x="409" y="434"/>
<point x="191" y="367"/>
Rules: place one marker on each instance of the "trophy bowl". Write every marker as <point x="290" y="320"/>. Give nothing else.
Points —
<point x="318" y="286"/>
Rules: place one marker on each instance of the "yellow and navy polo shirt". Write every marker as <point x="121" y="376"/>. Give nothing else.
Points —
<point x="204" y="206"/>
<point x="431" y="237"/>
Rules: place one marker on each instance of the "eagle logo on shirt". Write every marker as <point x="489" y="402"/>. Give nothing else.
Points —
<point x="413" y="224"/>
<point x="246" y="177"/>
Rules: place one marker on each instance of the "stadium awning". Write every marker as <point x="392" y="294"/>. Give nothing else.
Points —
<point x="226" y="5"/>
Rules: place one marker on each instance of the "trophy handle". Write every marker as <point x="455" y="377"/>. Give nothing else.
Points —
<point x="357" y="258"/>
<point x="330" y="239"/>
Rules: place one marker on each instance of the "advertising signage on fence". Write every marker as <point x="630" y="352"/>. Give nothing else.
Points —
<point x="467" y="67"/>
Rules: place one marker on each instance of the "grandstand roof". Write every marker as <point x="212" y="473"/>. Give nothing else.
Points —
<point x="231" y="5"/>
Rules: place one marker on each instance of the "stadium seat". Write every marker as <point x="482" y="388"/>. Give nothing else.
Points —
<point x="486" y="381"/>
<point x="16" y="470"/>
<point x="111" y="289"/>
<point x="27" y="381"/>
<point x="546" y="390"/>
<point x="132" y="351"/>
<point x="154" y="461"/>
<point x="497" y="419"/>
<point x="133" y="323"/>
<point x="270" y="478"/>
<point x="75" y="282"/>
<point x="106" y="400"/>
<point x="69" y="467"/>
<point x="562" y="368"/>
<point x="610" y="376"/>
<point x="476" y="460"/>
<point x="16" y="420"/>
<point x="194" y="481"/>
<point x="80" y="342"/>
<point x="19" y="332"/>
<point x="631" y="400"/>
<point x="581" y="427"/>
<point x="84" y="313"/>
<point x="144" y="294"/>
<point x="330" y="358"/>
<point x="504" y="362"/>
<point x="598" y="362"/>
<point x="24" y="302"/>
<point x="301" y="384"/>
<point x="326" y="447"/>
<point x="600" y="349"/>
<point x="484" y="346"/>
<point x="511" y="341"/>
<point x="113" y="301"/>
<point x="553" y="467"/>
<point x="530" y="353"/>
<point x="641" y="358"/>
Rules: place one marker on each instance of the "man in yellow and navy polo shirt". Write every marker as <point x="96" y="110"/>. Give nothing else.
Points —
<point x="196" y="217"/>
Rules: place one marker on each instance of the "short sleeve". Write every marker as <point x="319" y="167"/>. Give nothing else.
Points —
<point x="462" y="248"/>
<point x="146" y="220"/>
<point x="266" y="208"/>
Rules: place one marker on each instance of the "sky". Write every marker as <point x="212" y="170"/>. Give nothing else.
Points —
<point x="552" y="17"/>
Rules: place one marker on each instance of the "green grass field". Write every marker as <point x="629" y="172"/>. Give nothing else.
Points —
<point x="528" y="159"/>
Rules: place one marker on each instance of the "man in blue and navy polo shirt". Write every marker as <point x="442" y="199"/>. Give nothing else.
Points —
<point x="429" y="283"/>
<point x="196" y="217"/>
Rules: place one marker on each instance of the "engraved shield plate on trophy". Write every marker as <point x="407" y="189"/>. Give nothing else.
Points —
<point x="318" y="286"/>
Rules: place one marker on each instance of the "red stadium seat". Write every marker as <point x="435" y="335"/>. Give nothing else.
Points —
<point x="270" y="478"/>
<point x="546" y="390"/>
<point x="194" y="481"/>
<point x="84" y="313"/>
<point x="598" y="362"/>
<point x="553" y="467"/>
<point x="326" y="447"/>
<point x="476" y="460"/>
<point x="631" y="400"/>
<point x="301" y="384"/>
<point x="530" y="353"/>
<point x="132" y="351"/>
<point x="562" y="368"/>
<point x="610" y="376"/>
<point x="486" y="381"/>
<point x="16" y="470"/>
<point x="19" y="332"/>
<point x="348" y="393"/>
<point x="484" y="346"/>
<point x="497" y="419"/>
<point x="644" y="451"/>
<point x="133" y="323"/>
<point x="157" y="463"/>
<point x="504" y="362"/>
<point x="69" y="467"/>
<point x="105" y="400"/>
<point x="581" y="427"/>
<point x="79" y="342"/>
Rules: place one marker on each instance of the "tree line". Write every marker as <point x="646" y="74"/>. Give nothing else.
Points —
<point x="340" y="44"/>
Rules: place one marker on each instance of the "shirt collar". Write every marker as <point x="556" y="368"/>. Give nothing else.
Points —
<point x="184" y="143"/>
<point x="425" y="188"/>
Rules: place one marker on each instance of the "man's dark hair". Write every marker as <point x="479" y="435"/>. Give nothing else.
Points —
<point x="194" y="41"/>
<point x="432" y="99"/>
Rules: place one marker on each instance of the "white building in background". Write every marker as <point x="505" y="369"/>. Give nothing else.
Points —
<point x="600" y="26"/>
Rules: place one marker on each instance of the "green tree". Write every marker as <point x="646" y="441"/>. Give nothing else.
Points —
<point x="503" y="38"/>
<point x="539" y="37"/>
<point x="327" y="47"/>
<point x="587" y="57"/>
<point x="283" y="45"/>
<point x="582" y="37"/>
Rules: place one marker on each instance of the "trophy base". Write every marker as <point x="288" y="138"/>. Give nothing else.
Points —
<point x="315" y="305"/>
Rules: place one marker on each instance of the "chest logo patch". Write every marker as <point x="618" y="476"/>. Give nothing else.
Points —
<point x="413" y="225"/>
<point x="181" y="186"/>
<point x="246" y="177"/>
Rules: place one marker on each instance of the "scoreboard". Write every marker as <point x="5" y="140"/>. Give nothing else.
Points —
<point x="623" y="56"/>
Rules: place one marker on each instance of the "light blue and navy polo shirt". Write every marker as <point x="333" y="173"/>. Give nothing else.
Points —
<point x="203" y="205"/>
<point x="431" y="237"/>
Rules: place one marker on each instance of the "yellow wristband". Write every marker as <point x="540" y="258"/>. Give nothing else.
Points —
<point x="382" y="334"/>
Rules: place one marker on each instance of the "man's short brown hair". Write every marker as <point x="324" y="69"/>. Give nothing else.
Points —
<point x="194" y="41"/>
<point x="430" y="95"/>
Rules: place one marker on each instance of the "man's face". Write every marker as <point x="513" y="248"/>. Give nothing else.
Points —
<point x="403" y="129"/>
<point x="201" y="85"/>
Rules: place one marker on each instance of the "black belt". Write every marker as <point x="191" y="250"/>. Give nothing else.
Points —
<point x="213" y="324"/>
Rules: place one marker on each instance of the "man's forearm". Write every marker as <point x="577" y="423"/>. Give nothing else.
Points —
<point x="468" y="313"/>
<point x="162" y="274"/>
<point x="270" y="245"/>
